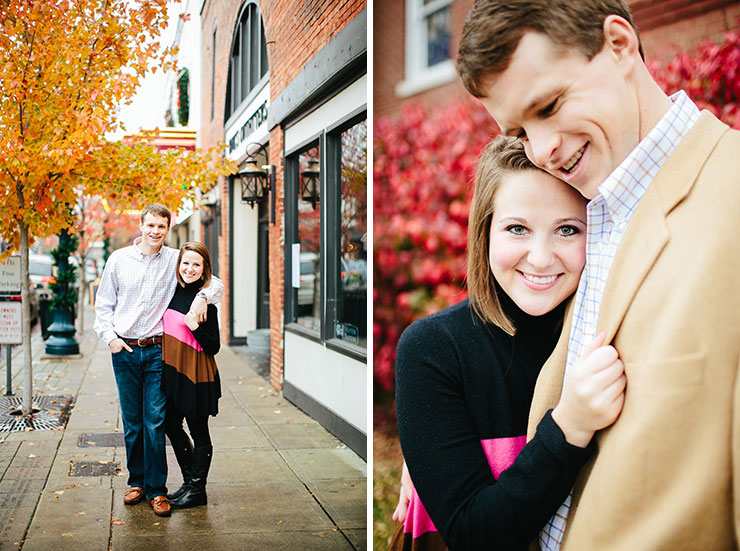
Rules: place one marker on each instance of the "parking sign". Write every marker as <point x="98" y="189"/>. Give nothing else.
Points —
<point x="11" y="328"/>
<point x="10" y="276"/>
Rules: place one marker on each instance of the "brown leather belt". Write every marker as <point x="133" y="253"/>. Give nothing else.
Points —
<point x="143" y="343"/>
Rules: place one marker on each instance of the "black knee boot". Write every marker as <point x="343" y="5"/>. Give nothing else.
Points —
<point x="184" y="454"/>
<point x="195" y="494"/>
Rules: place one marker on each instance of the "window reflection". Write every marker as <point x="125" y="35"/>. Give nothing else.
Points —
<point x="352" y="323"/>
<point x="309" y="237"/>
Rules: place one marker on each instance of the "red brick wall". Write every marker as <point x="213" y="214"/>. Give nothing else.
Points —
<point x="299" y="30"/>
<point x="663" y="24"/>
<point x="223" y="14"/>
<point x="389" y="30"/>
<point x="388" y="53"/>
<point x="277" y="265"/>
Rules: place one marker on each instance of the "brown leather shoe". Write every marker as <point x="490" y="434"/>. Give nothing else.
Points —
<point x="161" y="506"/>
<point x="133" y="495"/>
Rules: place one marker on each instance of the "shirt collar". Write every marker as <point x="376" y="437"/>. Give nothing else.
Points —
<point x="141" y="254"/>
<point x="624" y="187"/>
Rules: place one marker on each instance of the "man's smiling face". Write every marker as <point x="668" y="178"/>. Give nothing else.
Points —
<point x="578" y="119"/>
<point x="154" y="230"/>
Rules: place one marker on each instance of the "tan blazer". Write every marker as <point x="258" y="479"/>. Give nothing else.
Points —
<point x="667" y="473"/>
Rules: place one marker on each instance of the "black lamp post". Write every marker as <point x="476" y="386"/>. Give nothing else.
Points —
<point x="61" y="341"/>
<point x="257" y="182"/>
<point x="310" y="182"/>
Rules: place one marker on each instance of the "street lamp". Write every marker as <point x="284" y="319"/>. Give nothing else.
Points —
<point x="208" y="212"/>
<point x="310" y="182"/>
<point x="61" y="341"/>
<point x="257" y="182"/>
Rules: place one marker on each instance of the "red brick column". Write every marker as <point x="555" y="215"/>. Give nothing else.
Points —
<point x="277" y="264"/>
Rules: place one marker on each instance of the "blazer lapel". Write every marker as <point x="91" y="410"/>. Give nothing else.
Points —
<point x="644" y="238"/>
<point x="647" y="234"/>
<point x="550" y="380"/>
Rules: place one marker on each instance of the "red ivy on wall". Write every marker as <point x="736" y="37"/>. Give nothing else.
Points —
<point x="423" y="168"/>
<point x="710" y="75"/>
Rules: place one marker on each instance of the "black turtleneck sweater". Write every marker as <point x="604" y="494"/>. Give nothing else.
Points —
<point x="461" y="382"/>
<point x="207" y="333"/>
<point x="190" y="376"/>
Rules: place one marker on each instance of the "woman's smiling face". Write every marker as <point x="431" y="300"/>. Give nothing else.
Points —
<point x="537" y="246"/>
<point x="191" y="266"/>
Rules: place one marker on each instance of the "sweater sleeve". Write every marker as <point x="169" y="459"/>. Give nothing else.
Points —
<point x="207" y="333"/>
<point x="470" y="508"/>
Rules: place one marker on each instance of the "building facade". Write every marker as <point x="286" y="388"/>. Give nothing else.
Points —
<point x="420" y="40"/>
<point x="284" y="87"/>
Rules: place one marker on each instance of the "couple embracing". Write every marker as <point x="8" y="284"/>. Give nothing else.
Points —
<point x="603" y="244"/>
<point x="155" y="310"/>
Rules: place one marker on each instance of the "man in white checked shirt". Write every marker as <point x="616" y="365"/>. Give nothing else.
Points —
<point x="663" y="255"/>
<point x="136" y="287"/>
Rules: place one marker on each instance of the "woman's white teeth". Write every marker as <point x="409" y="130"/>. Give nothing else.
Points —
<point x="573" y="160"/>
<point x="539" y="279"/>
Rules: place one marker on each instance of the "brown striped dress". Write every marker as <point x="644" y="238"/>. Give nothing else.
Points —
<point x="190" y="376"/>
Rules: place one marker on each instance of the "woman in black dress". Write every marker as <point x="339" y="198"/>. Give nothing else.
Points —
<point x="190" y="376"/>
<point x="466" y="375"/>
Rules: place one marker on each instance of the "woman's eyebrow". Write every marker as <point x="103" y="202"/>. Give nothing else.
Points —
<point x="570" y="219"/>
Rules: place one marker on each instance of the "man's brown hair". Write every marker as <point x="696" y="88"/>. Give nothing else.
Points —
<point x="493" y="29"/>
<point x="501" y="157"/>
<point x="156" y="209"/>
<point x="201" y="249"/>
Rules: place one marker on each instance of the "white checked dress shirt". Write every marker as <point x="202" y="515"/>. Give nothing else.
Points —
<point x="607" y="217"/>
<point x="136" y="289"/>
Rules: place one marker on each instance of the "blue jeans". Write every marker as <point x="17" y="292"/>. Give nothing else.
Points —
<point x="139" y="379"/>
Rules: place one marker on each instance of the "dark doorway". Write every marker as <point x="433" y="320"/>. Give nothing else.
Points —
<point x="212" y="230"/>
<point x="263" y="267"/>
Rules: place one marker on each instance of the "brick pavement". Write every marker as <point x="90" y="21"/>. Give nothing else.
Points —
<point x="279" y="480"/>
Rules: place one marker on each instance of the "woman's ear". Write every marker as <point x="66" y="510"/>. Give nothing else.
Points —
<point x="620" y="39"/>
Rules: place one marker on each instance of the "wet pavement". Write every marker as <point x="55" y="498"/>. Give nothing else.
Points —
<point x="278" y="481"/>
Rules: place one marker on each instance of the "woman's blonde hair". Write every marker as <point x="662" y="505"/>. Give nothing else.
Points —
<point x="201" y="249"/>
<point x="502" y="156"/>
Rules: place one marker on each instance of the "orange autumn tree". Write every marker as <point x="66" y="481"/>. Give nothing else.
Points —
<point x="65" y="68"/>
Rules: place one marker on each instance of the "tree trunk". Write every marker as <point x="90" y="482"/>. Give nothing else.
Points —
<point x="26" y="322"/>
<point x="82" y="251"/>
<point x="81" y="296"/>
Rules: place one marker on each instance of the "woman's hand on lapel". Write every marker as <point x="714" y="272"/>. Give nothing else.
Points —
<point x="593" y="393"/>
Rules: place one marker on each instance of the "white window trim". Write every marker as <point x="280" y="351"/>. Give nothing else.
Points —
<point x="348" y="100"/>
<point x="418" y="77"/>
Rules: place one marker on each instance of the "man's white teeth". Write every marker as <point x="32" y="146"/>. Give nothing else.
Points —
<point x="574" y="160"/>
<point x="539" y="279"/>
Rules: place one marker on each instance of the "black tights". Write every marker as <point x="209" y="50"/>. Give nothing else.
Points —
<point x="198" y="427"/>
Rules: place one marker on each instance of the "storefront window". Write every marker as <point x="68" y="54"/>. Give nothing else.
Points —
<point x="309" y="239"/>
<point x="326" y="217"/>
<point x="351" y="324"/>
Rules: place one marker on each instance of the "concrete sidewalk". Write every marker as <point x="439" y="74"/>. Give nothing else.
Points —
<point x="278" y="480"/>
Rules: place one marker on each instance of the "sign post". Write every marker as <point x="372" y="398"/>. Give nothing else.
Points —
<point x="11" y="313"/>
<point x="11" y="332"/>
<point x="8" y="372"/>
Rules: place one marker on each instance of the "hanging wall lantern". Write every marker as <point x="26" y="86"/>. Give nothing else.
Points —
<point x="254" y="183"/>
<point x="310" y="182"/>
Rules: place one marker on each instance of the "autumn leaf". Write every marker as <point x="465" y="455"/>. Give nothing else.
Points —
<point x="66" y="66"/>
